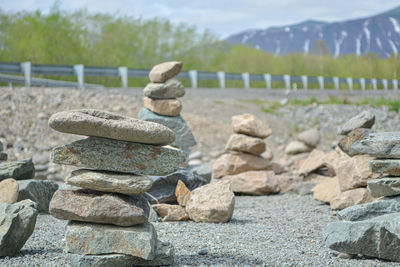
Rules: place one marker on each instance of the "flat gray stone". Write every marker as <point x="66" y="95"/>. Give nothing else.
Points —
<point x="384" y="187"/>
<point x="162" y="72"/>
<point x="378" y="237"/>
<point x="184" y="138"/>
<point x="203" y="170"/>
<point x="92" y="122"/>
<point x="106" y="181"/>
<point x="380" y="145"/>
<point x="17" y="222"/>
<point x="120" y="156"/>
<point x="365" y="119"/>
<point x="99" y="207"/>
<point x="370" y="210"/>
<point x="88" y="238"/>
<point x="168" y="90"/>
<point x="163" y="188"/>
<point x="386" y="166"/>
<point x="39" y="191"/>
<point x="164" y="255"/>
<point x="19" y="170"/>
<point x="353" y="138"/>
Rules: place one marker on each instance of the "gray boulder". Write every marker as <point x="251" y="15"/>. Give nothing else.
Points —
<point x="184" y="138"/>
<point x="164" y="255"/>
<point x="163" y="188"/>
<point x="380" y="145"/>
<point x="384" y="187"/>
<point x="19" y="170"/>
<point x="370" y="210"/>
<point x="39" y="191"/>
<point x="378" y="237"/>
<point x="365" y="119"/>
<point x="17" y="222"/>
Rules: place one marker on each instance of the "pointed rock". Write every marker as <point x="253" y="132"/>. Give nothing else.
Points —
<point x="182" y="193"/>
<point x="162" y="72"/>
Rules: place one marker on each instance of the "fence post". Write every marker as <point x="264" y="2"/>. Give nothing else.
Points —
<point x="374" y="84"/>
<point x="79" y="71"/>
<point x="246" y="80"/>
<point x="350" y="83"/>
<point x="362" y="83"/>
<point x="221" y="79"/>
<point x="395" y="84"/>
<point x="26" y="69"/>
<point x="286" y="78"/>
<point x="267" y="78"/>
<point x="336" y="83"/>
<point x="123" y="72"/>
<point x="385" y="84"/>
<point x="193" y="78"/>
<point x="304" y="81"/>
<point x="321" y="82"/>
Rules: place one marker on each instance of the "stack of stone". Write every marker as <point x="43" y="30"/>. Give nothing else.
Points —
<point x="243" y="165"/>
<point x="161" y="103"/>
<point x="108" y="214"/>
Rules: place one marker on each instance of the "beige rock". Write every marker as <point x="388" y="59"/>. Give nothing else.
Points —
<point x="164" y="71"/>
<point x="165" y="107"/>
<point x="268" y="154"/>
<point x="244" y="143"/>
<point x="314" y="161"/>
<point x="326" y="190"/>
<point x="9" y="191"/>
<point x="331" y="159"/>
<point x="277" y="168"/>
<point x="182" y="193"/>
<point x="354" y="172"/>
<point x="310" y="137"/>
<point x="254" y="182"/>
<point x="213" y="202"/>
<point x="248" y="124"/>
<point x="230" y="164"/>
<point x="350" y="198"/>
<point x="297" y="147"/>
<point x="286" y="182"/>
<point x="171" y="213"/>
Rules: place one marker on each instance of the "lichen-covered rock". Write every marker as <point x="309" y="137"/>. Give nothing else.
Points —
<point x="386" y="166"/>
<point x="353" y="138"/>
<point x="384" y="187"/>
<point x="384" y="145"/>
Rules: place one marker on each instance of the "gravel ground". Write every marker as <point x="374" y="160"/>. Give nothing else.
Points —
<point x="278" y="230"/>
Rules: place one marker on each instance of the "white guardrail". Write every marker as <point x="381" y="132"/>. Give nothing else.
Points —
<point x="28" y="70"/>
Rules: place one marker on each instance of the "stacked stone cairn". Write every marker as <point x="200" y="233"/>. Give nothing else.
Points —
<point x="351" y="169"/>
<point x="242" y="164"/>
<point x="108" y="215"/>
<point x="161" y="103"/>
<point x="372" y="229"/>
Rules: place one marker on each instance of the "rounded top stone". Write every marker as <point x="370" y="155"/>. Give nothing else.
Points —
<point x="92" y="122"/>
<point x="164" y="71"/>
<point x="248" y="124"/>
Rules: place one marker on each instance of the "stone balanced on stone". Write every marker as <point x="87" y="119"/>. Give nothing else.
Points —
<point x="108" y="214"/>
<point x="243" y="165"/>
<point x="161" y="103"/>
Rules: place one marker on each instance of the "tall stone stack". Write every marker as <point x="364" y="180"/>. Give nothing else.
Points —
<point x="108" y="214"/>
<point x="161" y="103"/>
<point x="243" y="165"/>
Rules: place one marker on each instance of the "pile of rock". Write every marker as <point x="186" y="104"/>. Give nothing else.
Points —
<point x="351" y="168"/>
<point x="372" y="229"/>
<point x="306" y="142"/>
<point x="161" y="103"/>
<point x="243" y="165"/>
<point x="108" y="214"/>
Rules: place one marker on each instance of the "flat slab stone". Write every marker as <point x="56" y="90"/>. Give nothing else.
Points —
<point x="39" y="191"/>
<point x="17" y="222"/>
<point x="93" y="122"/>
<point x="164" y="107"/>
<point x="168" y="90"/>
<point x="88" y="238"/>
<point x="99" y="207"/>
<point x="384" y="187"/>
<point x="353" y="138"/>
<point x="365" y="119"/>
<point x="119" y="156"/>
<point x="184" y="138"/>
<point x="19" y="170"/>
<point x="244" y="143"/>
<point x="107" y="181"/>
<point x="254" y="183"/>
<point x="9" y="191"/>
<point x="248" y="124"/>
<point x="162" y="72"/>
<point x="386" y="166"/>
<point x="164" y="255"/>
<point x="378" y="237"/>
<point x="380" y="145"/>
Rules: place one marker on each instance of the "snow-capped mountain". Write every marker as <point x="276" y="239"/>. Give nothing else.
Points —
<point x="379" y="34"/>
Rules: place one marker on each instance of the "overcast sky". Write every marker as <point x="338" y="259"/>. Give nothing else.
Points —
<point x="223" y="17"/>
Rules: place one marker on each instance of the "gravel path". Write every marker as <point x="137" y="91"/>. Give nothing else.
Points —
<point x="279" y="230"/>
